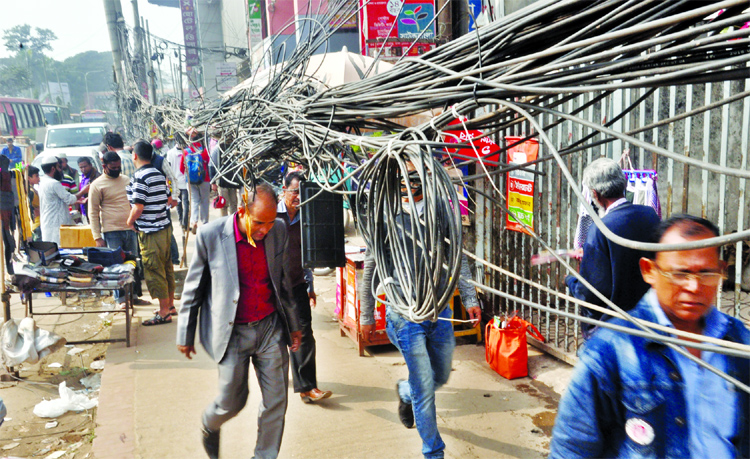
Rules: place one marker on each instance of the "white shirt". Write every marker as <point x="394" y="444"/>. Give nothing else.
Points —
<point x="54" y="200"/>
<point x="174" y="156"/>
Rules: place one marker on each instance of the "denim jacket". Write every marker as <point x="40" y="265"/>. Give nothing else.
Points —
<point x="623" y="379"/>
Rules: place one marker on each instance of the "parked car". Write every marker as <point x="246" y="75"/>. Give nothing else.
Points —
<point x="75" y="140"/>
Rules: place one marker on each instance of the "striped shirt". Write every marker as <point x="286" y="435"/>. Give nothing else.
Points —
<point x="149" y="188"/>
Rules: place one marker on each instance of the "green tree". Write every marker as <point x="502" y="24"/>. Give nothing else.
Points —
<point x="14" y="80"/>
<point x="18" y="38"/>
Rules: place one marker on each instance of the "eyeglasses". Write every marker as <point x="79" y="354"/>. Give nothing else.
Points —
<point x="682" y="278"/>
<point x="294" y="191"/>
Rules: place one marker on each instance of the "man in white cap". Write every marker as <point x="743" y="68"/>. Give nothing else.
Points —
<point x="54" y="201"/>
<point x="67" y="170"/>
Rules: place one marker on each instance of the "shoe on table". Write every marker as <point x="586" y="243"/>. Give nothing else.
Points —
<point x="315" y="395"/>
<point x="405" y="410"/>
<point x="211" y="442"/>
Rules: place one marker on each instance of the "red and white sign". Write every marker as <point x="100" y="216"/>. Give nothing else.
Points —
<point x="484" y="148"/>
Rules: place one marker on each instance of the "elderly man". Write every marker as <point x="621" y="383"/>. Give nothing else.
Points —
<point x="304" y="374"/>
<point x="635" y="397"/>
<point x="611" y="268"/>
<point x="13" y="152"/>
<point x="67" y="170"/>
<point x="54" y="201"/>
<point x="238" y="288"/>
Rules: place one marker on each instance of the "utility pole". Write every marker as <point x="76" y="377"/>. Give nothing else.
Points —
<point x="138" y="45"/>
<point x="151" y="74"/>
<point x="110" y="12"/>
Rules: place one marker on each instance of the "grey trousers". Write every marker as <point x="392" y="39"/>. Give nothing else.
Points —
<point x="264" y="344"/>
<point x="200" y="199"/>
<point x="230" y="195"/>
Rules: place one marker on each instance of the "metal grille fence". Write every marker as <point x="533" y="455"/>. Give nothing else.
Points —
<point x="670" y="117"/>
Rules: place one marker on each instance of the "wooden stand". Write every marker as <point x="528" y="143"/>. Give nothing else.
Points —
<point x="349" y="307"/>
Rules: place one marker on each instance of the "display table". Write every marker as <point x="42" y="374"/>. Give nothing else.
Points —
<point x="128" y="288"/>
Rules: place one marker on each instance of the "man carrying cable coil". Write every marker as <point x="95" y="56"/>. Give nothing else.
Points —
<point x="633" y="396"/>
<point x="427" y="346"/>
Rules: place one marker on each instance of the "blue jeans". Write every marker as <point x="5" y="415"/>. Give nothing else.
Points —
<point x="129" y="242"/>
<point x="428" y="351"/>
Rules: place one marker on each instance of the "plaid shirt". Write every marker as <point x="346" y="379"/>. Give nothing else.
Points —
<point x="127" y="166"/>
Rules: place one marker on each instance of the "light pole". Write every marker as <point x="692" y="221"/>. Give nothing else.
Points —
<point x="86" y="80"/>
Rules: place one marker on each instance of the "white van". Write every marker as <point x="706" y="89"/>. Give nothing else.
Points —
<point x="75" y="140"/>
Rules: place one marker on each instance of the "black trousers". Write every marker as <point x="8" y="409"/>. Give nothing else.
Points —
<point x="303" y="361"/>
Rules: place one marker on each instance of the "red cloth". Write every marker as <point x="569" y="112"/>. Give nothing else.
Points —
<point x="255" y="282"/>
<point x="192" y="148"/>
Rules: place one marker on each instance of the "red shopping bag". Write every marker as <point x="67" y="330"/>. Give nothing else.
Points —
<point x="505" y="348"/>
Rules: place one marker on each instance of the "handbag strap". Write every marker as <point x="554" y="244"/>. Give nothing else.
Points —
<point x="534" y="332"/>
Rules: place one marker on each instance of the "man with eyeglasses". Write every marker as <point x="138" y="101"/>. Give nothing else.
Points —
<point x="635" y="397"/>
<point x="304" y="374"/>
<point x="609" y="267"/>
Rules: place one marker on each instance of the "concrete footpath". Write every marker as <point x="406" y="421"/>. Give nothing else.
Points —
<point x="152" y="398"/>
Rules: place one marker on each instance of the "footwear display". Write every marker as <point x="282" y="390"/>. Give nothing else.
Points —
<point x="405" y="410"/>
<point x="211" y="442"/>
<point x="158" y="320"/>
<point x="315" y="395"/>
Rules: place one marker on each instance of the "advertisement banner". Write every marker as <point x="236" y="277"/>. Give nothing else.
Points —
<point x="387" y="20"/>
<point x="190" y="32"/>
<point x="226" y="76"/>
<point x="520" y="184"/>
<point x="486" y="148"/>
<point x="254" y="22"/>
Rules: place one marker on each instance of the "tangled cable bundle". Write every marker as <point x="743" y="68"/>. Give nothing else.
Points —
<point x="408" y="210"/>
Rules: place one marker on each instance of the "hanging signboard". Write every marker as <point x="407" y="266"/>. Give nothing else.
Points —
<point x="387" y="21"/>
<point x="520" y="184"/>
<point x="190" y="32"/>
<point x="484" y="148"/>
<point x="254" y="23"/>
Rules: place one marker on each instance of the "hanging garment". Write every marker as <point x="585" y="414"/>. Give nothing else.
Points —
<point x="584" y="220"/>
<point x="652" y="195"/>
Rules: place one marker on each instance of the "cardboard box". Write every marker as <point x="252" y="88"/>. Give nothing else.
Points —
<point x="76" y="236"/>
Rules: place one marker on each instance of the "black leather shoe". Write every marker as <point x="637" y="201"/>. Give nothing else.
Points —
<point x="211" y="442"/>
<point x="405" y="411"/>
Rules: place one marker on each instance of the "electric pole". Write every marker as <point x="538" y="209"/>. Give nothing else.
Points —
<point x="151" y="73"/>
<point x="140" y="64"/>
<point x="110" y="12"/>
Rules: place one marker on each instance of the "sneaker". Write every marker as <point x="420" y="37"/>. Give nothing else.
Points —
<point x="211" y="442"/>
<point x="405" y="410"/>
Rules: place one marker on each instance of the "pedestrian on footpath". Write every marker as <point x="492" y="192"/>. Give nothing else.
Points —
<point x="195" y="167"/>
<point x="633" y="396"/>
<point x="304" y="374"/>
<point x="174" y="158"/>
<point x="149" y="214"/>
<point x="237" y="287"/>
<point x="609" y="267"/>
<point x="427" y="347"/>
<point x="108" y="210"/>
<point x="225" y="188"/>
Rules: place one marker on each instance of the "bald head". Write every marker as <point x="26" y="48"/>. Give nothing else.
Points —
<point x="260" y="211"/>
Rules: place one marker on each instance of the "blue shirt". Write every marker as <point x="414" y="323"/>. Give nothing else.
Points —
<point x="15" y="156"/>
<point x="711" y="400"/>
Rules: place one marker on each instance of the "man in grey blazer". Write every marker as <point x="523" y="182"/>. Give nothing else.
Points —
<point x="245" y="310"/>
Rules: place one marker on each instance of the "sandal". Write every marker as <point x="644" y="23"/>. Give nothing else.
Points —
<point x="158" y="320"/>
<point x="172" y="311"/>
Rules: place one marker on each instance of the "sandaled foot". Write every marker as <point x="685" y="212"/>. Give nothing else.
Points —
<point x="172" y="311"/>
<point x="158" y="320"/>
